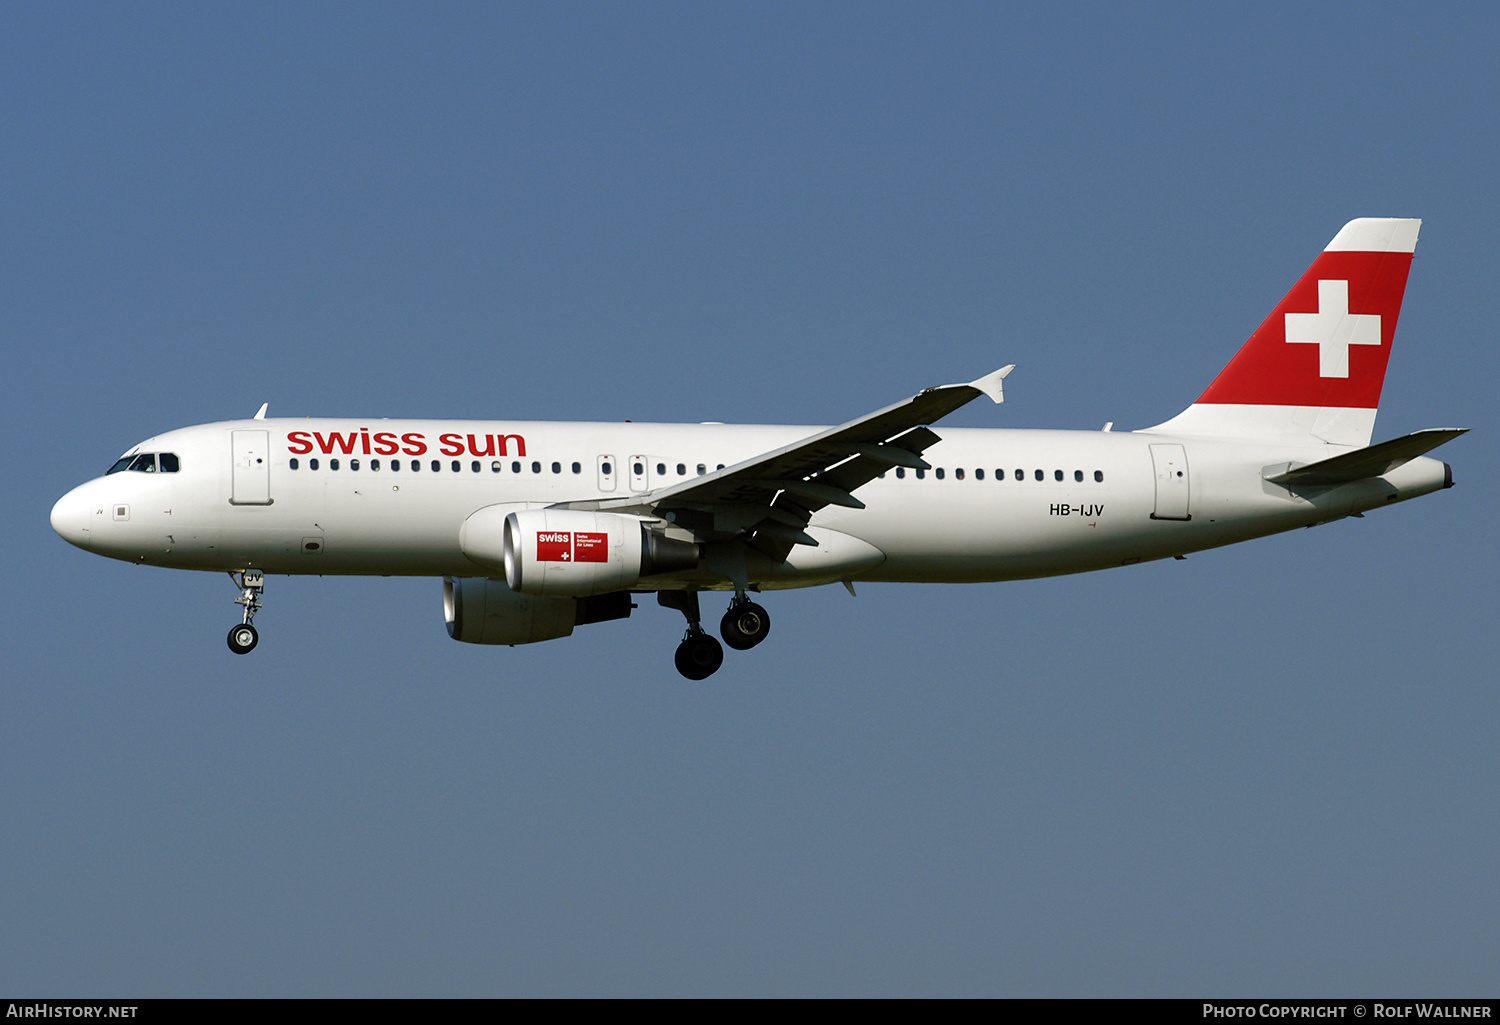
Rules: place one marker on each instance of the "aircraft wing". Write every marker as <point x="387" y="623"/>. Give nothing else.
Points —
<point x="773" y="495"/>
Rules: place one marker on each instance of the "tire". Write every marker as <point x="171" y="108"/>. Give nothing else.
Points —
<point x="745" y="625"/>
<point x="699" y="657"/>
<point x="243" y="639"/>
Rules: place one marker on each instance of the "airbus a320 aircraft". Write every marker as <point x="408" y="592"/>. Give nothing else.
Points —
<point x="538" y="528"/>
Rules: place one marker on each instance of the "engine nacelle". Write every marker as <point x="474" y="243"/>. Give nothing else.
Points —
<point x="574" y="553"/>
<point x="482" y="611"/>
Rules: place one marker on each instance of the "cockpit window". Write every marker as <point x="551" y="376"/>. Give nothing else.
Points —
<point x="145" y="462"/>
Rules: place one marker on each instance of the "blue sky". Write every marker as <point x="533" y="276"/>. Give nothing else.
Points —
<point x="1267" y="769"/>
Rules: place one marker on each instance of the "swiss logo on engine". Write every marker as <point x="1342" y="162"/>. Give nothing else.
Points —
<point x="554" y="546"/>
<point x="563" y="546"/>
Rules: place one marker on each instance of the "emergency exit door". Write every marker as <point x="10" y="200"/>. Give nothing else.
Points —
<point x="251" y="480"/>
<point x="1172" y="482"/>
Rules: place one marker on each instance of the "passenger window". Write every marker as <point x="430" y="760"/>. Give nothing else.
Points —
<point x="921" y="475"/>
<point x="939" y="473"/>
<point x="979" y="475"/>
<point x="416" y="464"/>
<point x="682" y="469"/>
<point x="495" y="466"/>
<point x="374" y="464"/>
<point x="557" y="467"/>
<point x="900" y="473"/>
<point x="292" y="462"/>
<point x="474" y="466"/>
<point x="577" y="467"/>
<point x="637" y="469"/>
<point x="721" y="466"/>
<point x="1098" y="476"/>
<point x="515" y="466"/>
<point x="536" y="467"/>
<point x="661" y="469"/>
<point x="1057" y="474"/>
<point x="312" y="464"/>
<point x="1041" y="475"/>
<point x="437" y="466"/>
<point x="1021" y="474"/>
<point x="958" y="474"/>
<point x="606" y="469"/>
<point x="354" y="464"/>
<point x="168" y="462"/>
<point x="333" y="464"/>
<point x="1078" y="475"/>
<point x="703" y="469"/>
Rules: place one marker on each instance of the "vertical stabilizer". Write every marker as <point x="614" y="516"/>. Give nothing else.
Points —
<point x="1315" y="367"/>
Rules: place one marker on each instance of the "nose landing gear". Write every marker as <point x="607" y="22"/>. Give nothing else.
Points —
<point x="242" y="638"/>
<point x="251" y="583"/>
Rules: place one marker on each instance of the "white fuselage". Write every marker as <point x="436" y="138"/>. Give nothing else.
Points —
<point x="1102" y="499"/>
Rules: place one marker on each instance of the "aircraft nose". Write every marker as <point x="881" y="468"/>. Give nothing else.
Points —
<point x="70" y="518"/>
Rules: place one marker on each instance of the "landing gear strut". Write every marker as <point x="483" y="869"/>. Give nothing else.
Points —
<point x="251" y="583"/>
<point x="745" y="625"/>
<point x="699" y="656"/>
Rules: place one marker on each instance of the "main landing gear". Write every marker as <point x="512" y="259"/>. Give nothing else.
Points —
<point x="699" y="655"/>
<point x="745" y="625"/>
<point x="251" y="583"/>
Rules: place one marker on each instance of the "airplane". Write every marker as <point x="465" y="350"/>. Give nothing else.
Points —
<point x="537" y="528"/>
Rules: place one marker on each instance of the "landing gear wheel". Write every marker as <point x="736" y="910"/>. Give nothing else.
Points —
<point x="745" y="625"/>
<point x="699" y="656"/>
<point x="243" y="638"/>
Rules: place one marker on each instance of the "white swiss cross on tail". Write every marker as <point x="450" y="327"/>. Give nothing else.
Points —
<point x="1333" y="329"/>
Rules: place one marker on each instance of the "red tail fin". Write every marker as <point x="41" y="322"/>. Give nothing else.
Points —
<point x="1316" y="365"/>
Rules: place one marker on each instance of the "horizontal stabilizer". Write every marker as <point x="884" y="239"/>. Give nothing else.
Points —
<point x="1368" y="462"/>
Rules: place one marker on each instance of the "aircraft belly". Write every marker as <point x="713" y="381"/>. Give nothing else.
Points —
<point x="966" y="535"/>
<point x="838" y="556"/>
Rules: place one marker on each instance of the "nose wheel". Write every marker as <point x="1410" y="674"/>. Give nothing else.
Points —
<point x="244" y="637"/>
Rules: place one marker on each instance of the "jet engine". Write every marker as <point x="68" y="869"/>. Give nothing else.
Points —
<point x="573" y="553"/>
<point x="482" y="611"/>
